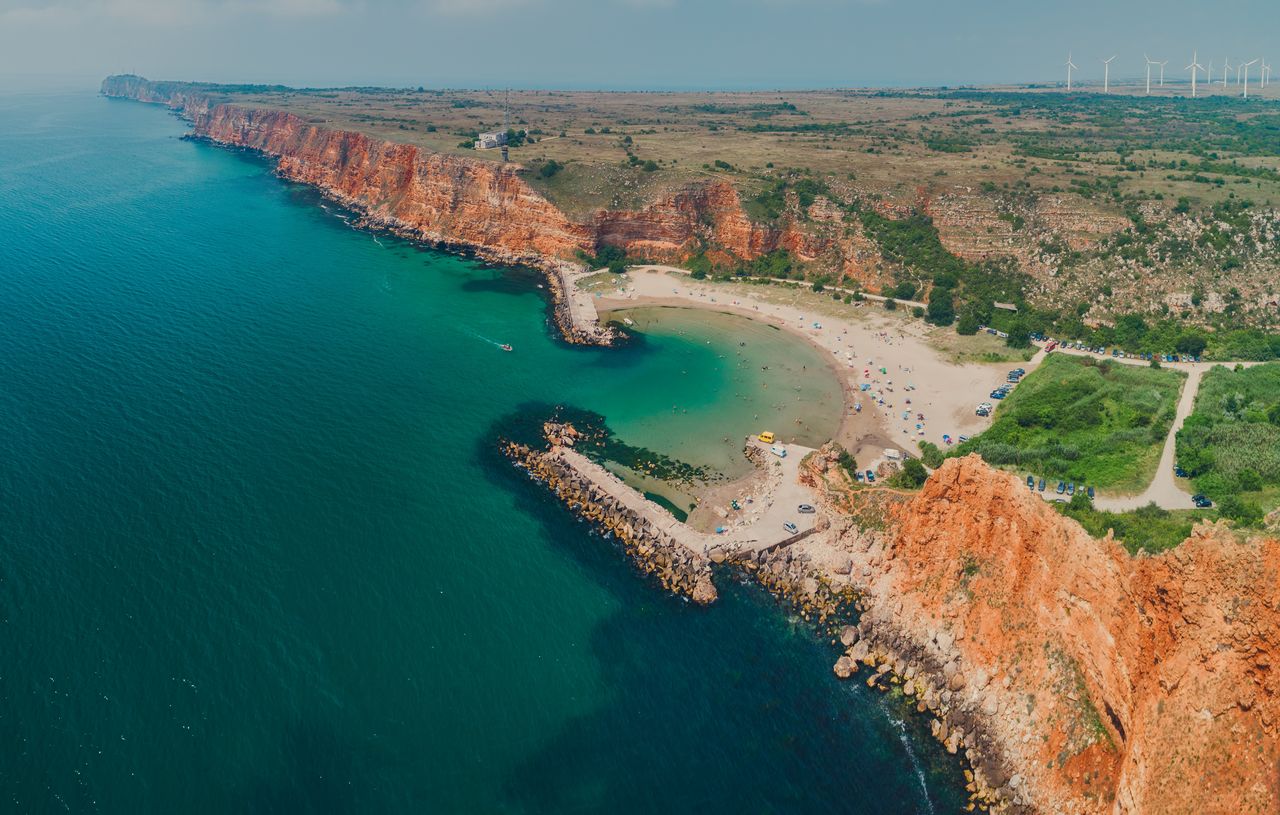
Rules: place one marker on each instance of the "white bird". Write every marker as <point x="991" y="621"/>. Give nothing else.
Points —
<point x="1071" y="66"/>
<point x="1246" y="76"/>
<point x="1195" y="68"/>
<point x="1106" y="75"/>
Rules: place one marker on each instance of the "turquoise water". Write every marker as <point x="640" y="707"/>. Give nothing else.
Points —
<point x="257" y="553"/>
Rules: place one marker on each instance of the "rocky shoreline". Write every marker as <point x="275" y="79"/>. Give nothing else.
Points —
<point x="822" y="594"/>
<point x="653" y="550"/>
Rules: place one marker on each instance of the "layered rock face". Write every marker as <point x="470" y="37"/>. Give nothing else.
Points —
<point x="1103" y="682"/>
<point x="438" y="198"/>
<point x="480" y="205"/>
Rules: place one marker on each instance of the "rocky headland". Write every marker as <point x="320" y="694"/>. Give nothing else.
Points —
<point x="1069" y="675"/>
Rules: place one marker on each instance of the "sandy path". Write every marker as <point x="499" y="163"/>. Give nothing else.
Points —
<point x="916" y="379"/>
<point x="1165" y="489"/>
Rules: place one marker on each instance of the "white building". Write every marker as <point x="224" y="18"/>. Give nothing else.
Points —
<point x="490" y="140"/>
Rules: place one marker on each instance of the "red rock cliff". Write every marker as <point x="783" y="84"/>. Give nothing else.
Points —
<point x="459" y="201"/>
<point x="1105" y="682"/>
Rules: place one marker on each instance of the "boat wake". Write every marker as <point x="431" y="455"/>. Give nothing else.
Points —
<point x="504" y="346"/>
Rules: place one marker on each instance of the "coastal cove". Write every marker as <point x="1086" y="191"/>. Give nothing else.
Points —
<point x="252" y="451"/>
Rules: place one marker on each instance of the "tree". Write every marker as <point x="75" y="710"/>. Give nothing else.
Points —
<point x="1019" y="335"/>
<point x="911" y="476"/>
<point x="890" y="304"/>
<point x="1191" y="343"/>
<point x="931" y="454"/>
<point x="942" y="309"/>
<point x="1242" y="512"/>
<point x="847" y="462"/>
<point x="968" y="322"/>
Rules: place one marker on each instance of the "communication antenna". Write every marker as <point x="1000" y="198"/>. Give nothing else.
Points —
<point x="506" y="105"/>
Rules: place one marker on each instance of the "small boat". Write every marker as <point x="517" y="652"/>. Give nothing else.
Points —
<point x="506" y="347"/>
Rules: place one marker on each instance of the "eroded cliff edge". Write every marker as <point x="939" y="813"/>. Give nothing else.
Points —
<point x="461" y="202"/>
<point x="1081" y="679"/>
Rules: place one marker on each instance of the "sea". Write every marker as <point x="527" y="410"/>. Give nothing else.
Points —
<point x="259" y="551"/>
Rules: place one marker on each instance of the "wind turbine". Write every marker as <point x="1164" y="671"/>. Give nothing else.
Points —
<point x="1246" y="77"/>
<point x="1265" y="70"/>
<point x="1149" y="64"/>
<point x="1106" y="75"/>
<point x="1239" y="70"/>
<point x="1209" y="75"/>
<point x="1166" y="62"/>
<point x="1226" y="71"/>
<point x="1071" y="66"/>
<point x="1195" y="68"/>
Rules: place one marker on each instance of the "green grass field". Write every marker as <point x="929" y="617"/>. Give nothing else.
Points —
<point x="1230" y="443"/>
<point x="1150" y="528"/>
<point x="1083" y="420"/>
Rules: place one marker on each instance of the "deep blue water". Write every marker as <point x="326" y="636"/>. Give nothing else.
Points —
<point x="257" y="553"/>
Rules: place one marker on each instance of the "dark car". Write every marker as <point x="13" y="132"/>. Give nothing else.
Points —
<point x="1201" y="501"/>
<point x="1090" y="493"/>
<point x="1031" y="482"/>
<point x="1179" y="472"/>
<point x="1041" y="485"/>
<point x="1062" y="487"/>
<point x="871" y="477"/>
<point x="1071" y="488"/>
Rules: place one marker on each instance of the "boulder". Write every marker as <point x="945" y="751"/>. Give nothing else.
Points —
<point x="848" y="636"/>
<point x="845" y="667"/>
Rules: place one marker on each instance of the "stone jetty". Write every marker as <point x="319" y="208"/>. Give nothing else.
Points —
<point x="658" y="544"/>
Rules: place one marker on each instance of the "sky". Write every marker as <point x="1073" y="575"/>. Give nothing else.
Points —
<point x="619" y="44"/>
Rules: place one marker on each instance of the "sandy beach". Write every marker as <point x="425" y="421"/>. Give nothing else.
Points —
<point x="898" y="389"/>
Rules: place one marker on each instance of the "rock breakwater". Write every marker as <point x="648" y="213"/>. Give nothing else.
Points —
<point x="656" y="550"/>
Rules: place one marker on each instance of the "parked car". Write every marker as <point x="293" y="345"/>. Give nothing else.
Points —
<point x="806" y="509"/>
<point x="1031" y="482"/>
<point x="1062" y="487"/>
<point x="790" y="527"/>
<point x="1040" y="486"/>
<point x="871" y="477"/>
<point x="1179" y="472"/>
<point x="1201" y="501"/>
<point x="1090" y="493"/>
<point x="1071" y="488"/>
<point x="998" y="394"/>
<point x="857" y="476"/>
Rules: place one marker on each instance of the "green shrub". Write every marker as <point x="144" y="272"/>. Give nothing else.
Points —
<point x="931" y="454"/>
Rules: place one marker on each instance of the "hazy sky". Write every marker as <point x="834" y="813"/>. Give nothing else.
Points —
<point x="620" y="43"/>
